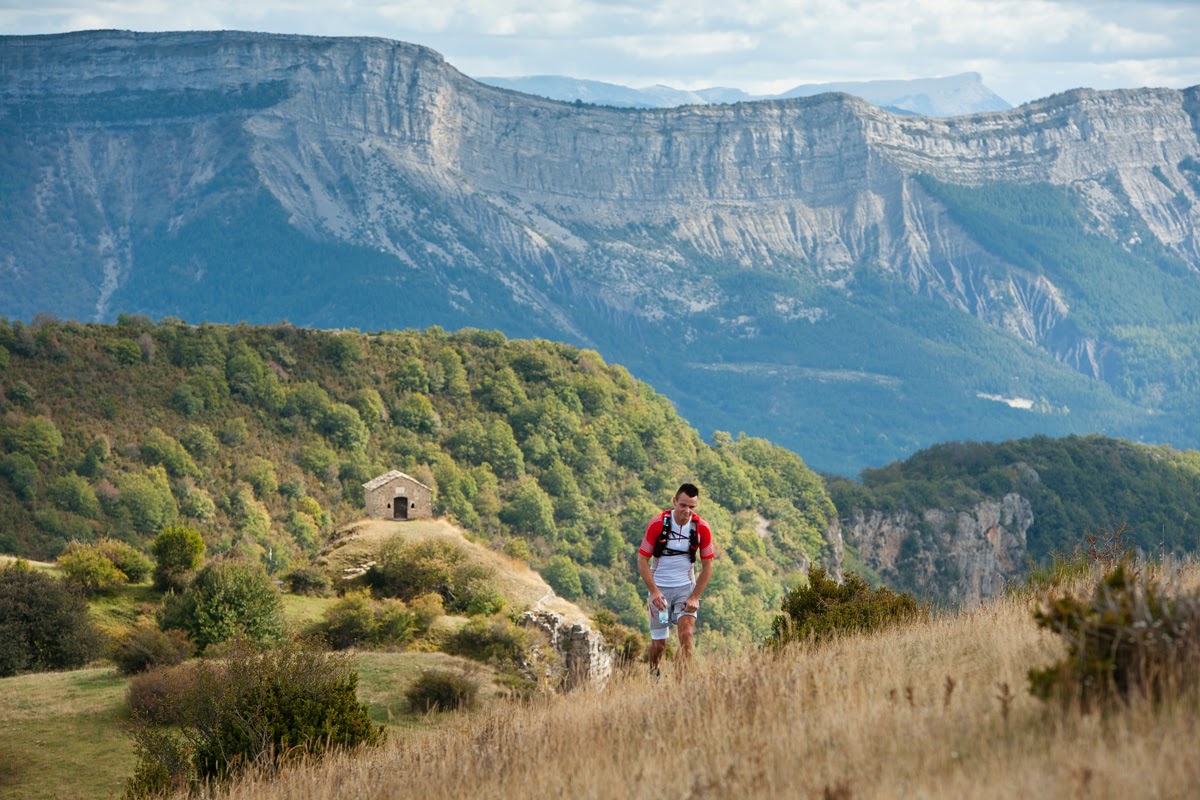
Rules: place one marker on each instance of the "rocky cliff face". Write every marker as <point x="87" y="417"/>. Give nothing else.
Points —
<point x="712" y="227"/>
<point x="963" y="557"/>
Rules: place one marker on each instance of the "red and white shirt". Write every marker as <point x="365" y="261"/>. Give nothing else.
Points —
<point x="672" y="571"/>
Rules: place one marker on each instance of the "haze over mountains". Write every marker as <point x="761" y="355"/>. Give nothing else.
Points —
<point x="849" y="282"/>
<point x="933" y="97"/>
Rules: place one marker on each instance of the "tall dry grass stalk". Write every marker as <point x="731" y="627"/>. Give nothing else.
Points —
<point x="935" y="710"/>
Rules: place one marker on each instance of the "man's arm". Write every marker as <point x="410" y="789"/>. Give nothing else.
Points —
<point x="656" y="597"/>
<point x="706" y="568"/>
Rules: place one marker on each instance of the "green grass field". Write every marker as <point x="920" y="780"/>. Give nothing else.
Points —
<point x="64" y="735"/>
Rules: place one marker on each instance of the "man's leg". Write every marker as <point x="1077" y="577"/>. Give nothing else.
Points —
<point x="657" y="648"/>
<point x="687" y="628"/>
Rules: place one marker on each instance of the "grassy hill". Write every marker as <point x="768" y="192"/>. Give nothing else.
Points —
<point x="262" y="436"/>
<point x="937" y="709"/>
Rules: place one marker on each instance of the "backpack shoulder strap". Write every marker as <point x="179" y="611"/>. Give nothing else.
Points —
<point x="664" y="535"/>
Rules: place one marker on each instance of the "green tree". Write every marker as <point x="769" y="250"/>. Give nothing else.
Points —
<point x="36" y="437"/>
<point x="530" y="511"/>
<point x="88" y="568"/>
<point x="227" y="599"/>
<point x="563" y="576"/>
<point x="342" y="425"/>
<point x="178" y="552"/>
<point x="147" y="500"/>
<point x="73" y="493"/>
<point x="22" y="474"/>
<point x="159" y="448"/>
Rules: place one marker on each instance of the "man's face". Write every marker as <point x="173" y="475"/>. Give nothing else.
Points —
<point x="684" y="508"/>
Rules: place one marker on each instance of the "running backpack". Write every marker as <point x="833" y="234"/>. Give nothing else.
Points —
<point x="664" y="535"/>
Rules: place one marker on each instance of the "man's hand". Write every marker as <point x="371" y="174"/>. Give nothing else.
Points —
<point x="658" y="601"/>
<point x="692" y="605"/>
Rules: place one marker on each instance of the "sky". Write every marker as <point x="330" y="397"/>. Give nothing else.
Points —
<point x="1024" y="49"/>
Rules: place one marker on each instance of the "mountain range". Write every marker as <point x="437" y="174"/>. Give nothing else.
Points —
<point x="934" y="97"/>
<point x="852" y="283"/>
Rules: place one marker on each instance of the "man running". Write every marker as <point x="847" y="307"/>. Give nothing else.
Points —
<point x="674" y="539"/>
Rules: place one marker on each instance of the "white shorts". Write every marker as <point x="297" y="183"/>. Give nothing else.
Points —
<point x="676" y="597"/>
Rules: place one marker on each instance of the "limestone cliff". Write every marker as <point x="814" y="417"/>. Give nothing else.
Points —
<point x="962" y="557"/>
<point x="131" y="157"/>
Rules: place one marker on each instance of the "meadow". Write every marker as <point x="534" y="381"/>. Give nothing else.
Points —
<point x="936" y="709"/>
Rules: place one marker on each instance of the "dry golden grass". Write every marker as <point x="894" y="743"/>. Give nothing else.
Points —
<point x="935" y="710"/>
<point x="359" y="542"/>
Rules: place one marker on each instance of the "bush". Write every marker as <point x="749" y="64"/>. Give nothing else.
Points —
<point x="126" y="558"/>
<point x="824" y="609"/>
<point x="44" y="624"/>
<point x="178" y="551"/>
<point x="146" y="647"/>
<point x="497" y="641"/>
<point x="255" y="708"/>
<point x="226" y="600"/>
<point x="1130" y="638"/>
<point x="408" y="570"/>
<point x="357" y="619"/>
<point x="442" y="690"/>
<point x="306" y="580"/>
<point x="89" y="569"/>
<point x="157" y="695"/>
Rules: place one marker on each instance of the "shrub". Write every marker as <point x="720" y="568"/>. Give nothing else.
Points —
<point x="824" y="609"/>
<point x="157" y="694"/>
<point x="227" y="599"/>
<point x="178" y="551"/>
<point x="408" y="570"/>
<point x="626" y="642"/>
<point x="497" y="641"/>
<point x="1130" y="638"/>
<point x="256" y="708"/>
<point x="44" y="624"/>
<point x="306" y="580"/>
<point x="86" y="567"/>
<point x="126" y="558"/>
<point x="357" y="619"/>
<point x="442" y="690"/>
<point x="146" y="647"/>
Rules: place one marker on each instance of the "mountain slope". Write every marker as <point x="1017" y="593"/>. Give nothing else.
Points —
<point x="263" y="436"/>
<point x="852" y="283"/>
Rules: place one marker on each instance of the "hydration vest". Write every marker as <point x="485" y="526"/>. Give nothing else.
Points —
<point x="664" y="536"/>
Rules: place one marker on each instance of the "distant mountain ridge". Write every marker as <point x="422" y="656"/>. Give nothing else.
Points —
<point x="851" y="283"/>
<point x="949" y="96"/>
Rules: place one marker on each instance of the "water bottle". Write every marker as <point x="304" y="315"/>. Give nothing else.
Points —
<point x="664" y="616"/>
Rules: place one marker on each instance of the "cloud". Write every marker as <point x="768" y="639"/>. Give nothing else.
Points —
<point x="1023" y="48"/>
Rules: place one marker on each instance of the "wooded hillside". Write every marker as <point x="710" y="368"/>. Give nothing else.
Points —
<point x="262" y="436"/>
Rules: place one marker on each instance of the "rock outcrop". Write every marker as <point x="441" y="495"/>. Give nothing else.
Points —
<point x="582" y="652"/>
<point x="962" y="557"/>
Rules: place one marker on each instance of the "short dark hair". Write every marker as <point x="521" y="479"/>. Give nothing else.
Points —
<point x="689" y="489"/>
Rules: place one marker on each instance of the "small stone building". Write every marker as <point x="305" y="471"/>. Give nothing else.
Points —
<point x="395" y="495"/>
